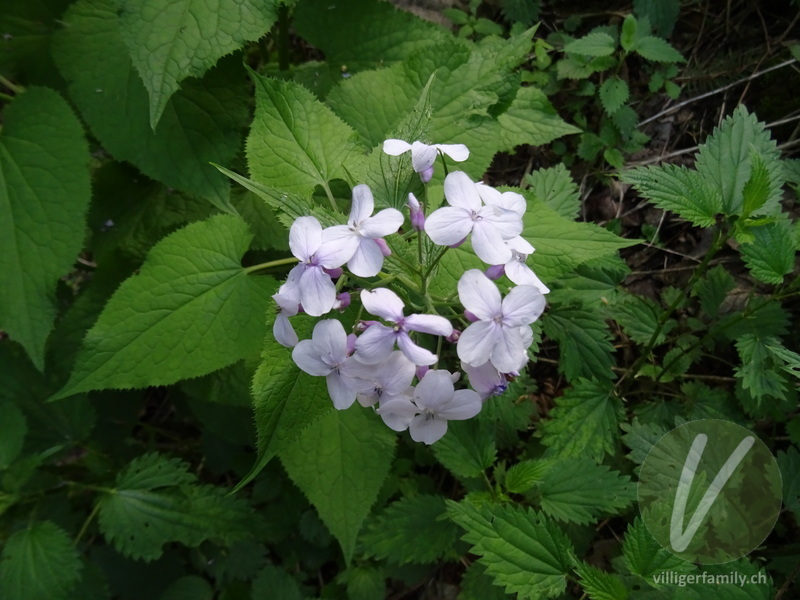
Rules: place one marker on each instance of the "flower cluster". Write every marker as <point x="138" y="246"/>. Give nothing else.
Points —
<point x="379" y="361"/>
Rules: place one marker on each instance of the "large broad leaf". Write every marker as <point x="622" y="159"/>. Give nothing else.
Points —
<point x="522" y="550"/>
<point x="531" y="119"/>
<point x="170" y="41"/>
<point x="44" y="195"/>
<point x="561" y="244"/>
<point x="584" y="342"/>
<point x="201" y="123"/>
<point x="644" y="556"/>
<point x="771" y="254"/>
<point x="39" y="563"/>
<point x="191" y="309"/>
<point x="296" y="142"/>
<point x="340" y="462"/>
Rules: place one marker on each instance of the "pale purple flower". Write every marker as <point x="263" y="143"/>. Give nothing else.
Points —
<point x="380" y="382"/>
<point x="416" y="213"/>
<point x="326" y="355"/>
<point x="438" y="402"/>
<point x="490" y="225"/>
<point x="520" y="273"/>
<point x="423" y="156"/>
<point x="498" y="336"/>
<point x="485" y="379"/>
<point x="282" y="329"/>
<point x="397" y="411"/>
<point x="506" y="200"/>
<point x="362" y="231"/>
<point x="316" y="251"/>
<point x="377" y="342"/>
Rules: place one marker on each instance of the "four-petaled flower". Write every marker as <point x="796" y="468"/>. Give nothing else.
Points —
<point x="503" y="329"/>
<point x="438" y="401"/>
<point x="363" y="231"/>
<point x="377" y="342"/>
<point x="490" y="225"/>
<point x="423" y="156"/>
<point x="326" y="355"/>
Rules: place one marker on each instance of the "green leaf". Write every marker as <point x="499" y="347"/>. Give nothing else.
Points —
<point x="639" y="318"/>
<point x="757" y="189"/>
<point x="190" y="310"/>
<point x="522" y="550"/>
<point x="644" y="556"/>
<point x="584" y="342"/>
<point x="189" y="587"/>
<point x="628" y="35"/>
<point x="679" y="190"/>
<point x="557" y="189"/>
<point x="771" y="254"/>
<point x="658" y="50"/>
<point x="522" y="476"/>
<point x="169" y="42"/>
<point x="274" y="582"/>
<point x="531" y="119"/>
<point x="201" y="124"/>
<point x="477" y="585"/>
<point x="362" y="34"/>
<point x="468" y="448"/>
<point x="600" y="585"/>
<point x="598" y="43"/>
<point x="296" y="142"/>
<point x="13" y="428"/>
<point x="39" y="563"/>
<point x="584" y="421"/>
<point x="411" y="530"/>
<point x="713" y="289"/>
<point x="789" y="464"/>
<point x="156" y="501"/>
<point x="758" y="373"/>
<point x="662" y="14"/>
<point x="44" y="196"/>
<point x="580" y="491"/>
<point x="725" y="160"/>
<point x="340" y="462"/>
<point x="613" y="94"/>
<point x="561" y="244"/>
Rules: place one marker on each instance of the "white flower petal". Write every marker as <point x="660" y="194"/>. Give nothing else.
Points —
<point x="522" y="274"/>
<point x="479" y="295"/>
<point x="416" y="354"/>
<point x="341" y="391"/>
<point x="448" y="226"/>
<point x="317" y="292"/>
<point x="464" y="405"/>
<point x="330" y="340"/>
<point x="458" y="152"/>
<point x="435" y="390"/>
<point x="460" y="190"/>
<point x="422" y="156"/>
<point x="375" y="344"/>
<point x="485" y="379"/>
<point x="522" y="306"/>
<point x="386" y="222"/>
<point x="395" y="147"/>
<point x="307" y="357"/>
<point x="383" y="303"/>
<point x="283" y="331"/>
<point x="339" y="243"/>
<point x="507" y="223"/>
<point x="521" y="246"/>
<point x="397" y="412"/>
<point x="433" y="324"/>
<point x="367" y="260"/>
<point x="427" y="430"/>
<point x="488" y="244"/>
<point x="477" y="342"/>
<point x="305" y="237"/>
<point x="507" y="351"/>
<point x="362" y="206"/>
<point x="396" y="374"/>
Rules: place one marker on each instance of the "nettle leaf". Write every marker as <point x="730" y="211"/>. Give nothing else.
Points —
<point x="771" y="254"/>
<point x="44" y="196"/>
<point x="557" y="189"/>
<point x="789" y="464"/>
<point x="296" y="142"/>
<point x="39" y="563"/>
<point x="758" y="372"/>
<point x="411" y="530"/>
<point x="190" y="310"/>
<point x="598" y="43"/>
<point x="639" y="318"/>
<point x="169" y="42"/>
<point x="156" y="500"/>
<point x="523" y="551"/>
<point x="274" y="582"/>
<point x="468" y="448"/>
<point x="521" y="477"/>
<point x="686" y="193"/>
<point x="189" y="587"/>
<point x="202" y="123"/>
<point x="580" y="491"/>
<point x="561" y="244"/>
<point x="600" y="585"/>
<point x="613" y="94"/>
<point x="340" y="463"/>
<point x="531" y="119"/>
<point x="725" y="160"/>
<point x="584" y="342"/>
<point x="360" y="34"/>
<point x="584" y="422"/>
<point x="477" y="585"/>
<point x="658" y="50"/>
<point x="13" y="428"/>
<point x="713" y="289"/>
<point x="644" y="556"/>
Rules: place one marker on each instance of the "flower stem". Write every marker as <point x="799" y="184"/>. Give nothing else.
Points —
<point x="331" y="199"/>
<point x="17" y="89"/>
<point x="444" y="164"/>
<point x="270" y="264"/>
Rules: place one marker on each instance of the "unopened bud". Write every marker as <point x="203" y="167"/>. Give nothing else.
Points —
<point x="421" y="370"/>
<point x="470" y="317"/>
<point x="417" y="214"/>
<point x="453" y="337"/>
<point x="342" y="301"/>
<point x="334" y="273"/>
<point x="426" y="175"/>
<point x="362" y="326"/>
<point x="385" y="250"/>
<point x="495" y="272"/>
<point x="351" y="343"/>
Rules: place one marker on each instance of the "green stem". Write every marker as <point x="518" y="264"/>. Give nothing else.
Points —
<point x="6" y="97"/>
<point x="270" y="264"/>
<point x="444" y="163"/>
<point x="720" y="237"/>
<point x="86" y="523"/>
<point x="331" y="199"/>
<point x="17" y="89"/>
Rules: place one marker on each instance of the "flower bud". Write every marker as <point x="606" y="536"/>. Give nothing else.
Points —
<point x="342" y="301"/>
<point x="471" y="317"/>
<point x="334" y="273"/>
<point x="385" y="250"/>
<point x="453" y="337"/>
<point x="421" y="370"/>
<point x="362" y="326"/>
<point x="351" y="343"/>
<point x="426" y="175"/>
<point x="417" y="214"/>
<point x="495" y="272"/>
